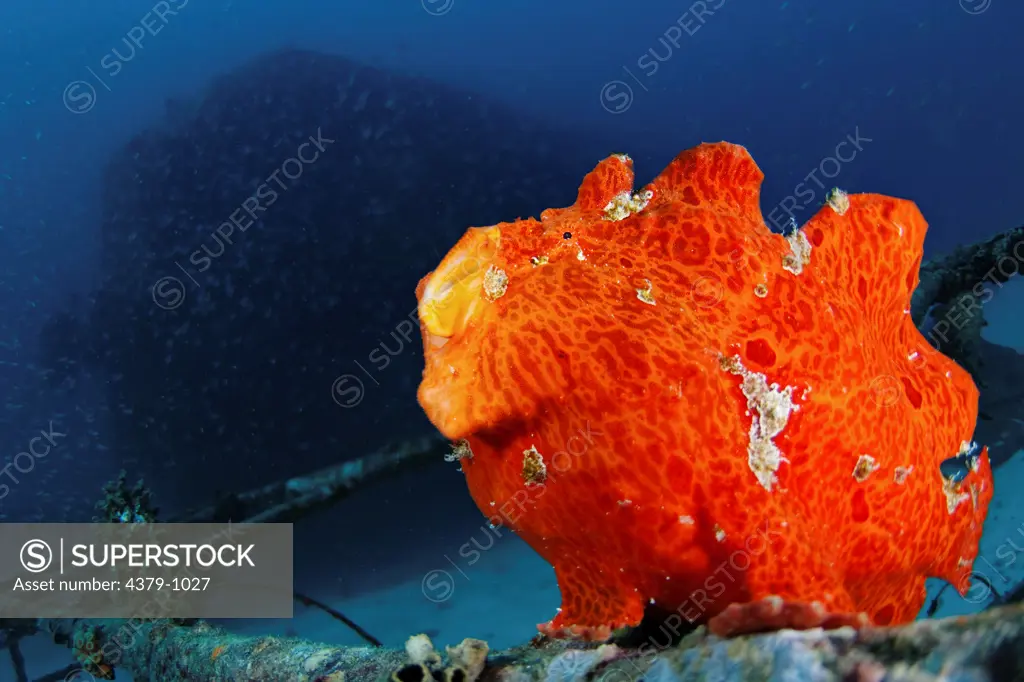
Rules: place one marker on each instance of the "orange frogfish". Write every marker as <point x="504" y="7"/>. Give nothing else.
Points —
<point x="682" y="410"/>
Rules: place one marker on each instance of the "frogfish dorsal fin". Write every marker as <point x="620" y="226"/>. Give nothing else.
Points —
<point x="871" y="246"/>
<point x="611" y="178"/>
<point x="720" y="176"/>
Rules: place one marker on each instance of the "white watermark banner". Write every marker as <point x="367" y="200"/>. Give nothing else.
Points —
<point x="149" y="570"/>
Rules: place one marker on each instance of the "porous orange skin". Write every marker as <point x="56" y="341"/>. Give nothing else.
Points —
<point x="635" y="409"/>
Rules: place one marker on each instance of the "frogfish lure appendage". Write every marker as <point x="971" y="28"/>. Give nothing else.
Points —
<point x="681" y="410"/>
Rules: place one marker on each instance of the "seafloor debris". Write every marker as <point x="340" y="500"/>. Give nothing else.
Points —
<point x="948" y="303"/>
<point x="462" y="663"/>
<point x="983" y="647"/>
<point x="122" y="503"/>
<point x="289" y="500"/>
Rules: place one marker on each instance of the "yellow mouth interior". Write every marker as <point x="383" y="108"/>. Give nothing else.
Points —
<point x="452" y="293"/>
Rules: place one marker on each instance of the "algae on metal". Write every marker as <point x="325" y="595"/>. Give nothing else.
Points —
<point x="985" y="646"/>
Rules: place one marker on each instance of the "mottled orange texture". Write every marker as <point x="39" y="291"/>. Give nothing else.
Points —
<point x="675" y="406"/>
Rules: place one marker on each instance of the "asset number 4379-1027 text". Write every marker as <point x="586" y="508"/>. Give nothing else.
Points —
<point x="174" y="584"/>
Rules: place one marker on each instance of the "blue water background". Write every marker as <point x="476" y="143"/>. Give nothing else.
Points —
<point x="933" y="88"/>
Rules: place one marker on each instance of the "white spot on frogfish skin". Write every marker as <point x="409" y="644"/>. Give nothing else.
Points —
<point x="838" y="201"/>
<point x="460" y="451"/>
<point x="646" y="294"/>
<point x="800" y="252"/>
<point x="954" y="494"/>
<point x="865" y="466"/>
<point x="535" y="471"/>
<point x="625" y="204"/>
<point x="495" y="283"/>
<point x="770" y="406"/>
